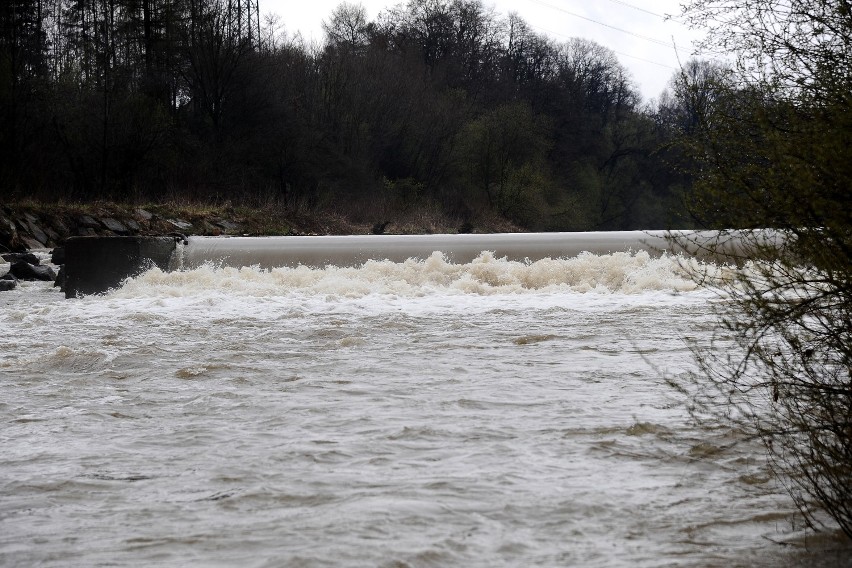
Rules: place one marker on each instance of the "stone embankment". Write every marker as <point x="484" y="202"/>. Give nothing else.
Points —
<point x="27" y="266"/>
<point x="25" y="229"/>
<point x="37" y="227"/>
<point x="22" y="230"/>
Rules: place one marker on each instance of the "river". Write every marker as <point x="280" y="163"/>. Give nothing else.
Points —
<point x="410" y="414"/>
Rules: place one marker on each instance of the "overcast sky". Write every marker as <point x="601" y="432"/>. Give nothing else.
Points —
<point x="647" y="50"/>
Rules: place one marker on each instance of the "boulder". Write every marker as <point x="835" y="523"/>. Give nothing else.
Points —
<point x="18" y="244"/>
<point x="60" y="227"/>
<point x="210" y="229"/>
<point x="57" y="256"/>
<point x="30" y="243"/>
<point x="6" y="285"/>
<point x="180" y="224"/>
<point x="114" y="225"/>
<point x="7" y="227"/>
<point x="88" y="221"/>
<point x="143" y="215"/>
<point x="13" y="257"/>
<point x="60" y="279"/>
<point x="36" y="232"/>
<point x="227" y="225"/>
<point x="26" y="271"/>
<point x="379" y="228"/>
<point x="52" y="236"/>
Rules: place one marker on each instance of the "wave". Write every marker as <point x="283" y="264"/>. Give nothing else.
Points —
<point x="616" y="273"/>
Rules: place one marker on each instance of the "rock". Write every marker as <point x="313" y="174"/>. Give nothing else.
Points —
<point x="88" y="221"/>
<point x="13" y="257"/>
<point x="60" y="227"/>
<point x="379" y="228"/>
<point x="17" y="244"/>
<point x="52" y="235"/>
<point x="60" y="279"/>
<point x="7" y="227"/>
<point x="30" y="243"/>
<point x="227" y="225"/>
<point x="26" y="271"/>
<point x="143" y="215"/>
<point x="37" y="233"/>
<point x="132" y="225"/>
<point x="180" y="224"/>
<point x="114" y="225"/>
<point x="8" y="276"/>
<point x="6" y="285"/>
<point x="209" y="229"/>
<point x="7" y="234"/>
<point x="57" y="256"/>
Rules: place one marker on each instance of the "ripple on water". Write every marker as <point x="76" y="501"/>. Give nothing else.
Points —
<point x="320" y="425"/>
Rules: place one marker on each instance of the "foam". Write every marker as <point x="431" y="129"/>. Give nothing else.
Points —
<point x="616" y="273"/>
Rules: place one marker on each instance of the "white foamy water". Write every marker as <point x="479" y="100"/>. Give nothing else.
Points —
<point x="399" y="414"/>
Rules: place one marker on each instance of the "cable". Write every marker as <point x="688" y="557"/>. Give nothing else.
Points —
<point x="645" y="60"/>
<point x="638" y="8"/>
<point x="614" y="51"/>
<point x="622" y="30"/>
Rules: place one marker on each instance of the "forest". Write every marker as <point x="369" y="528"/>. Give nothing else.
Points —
<point x="439" y="103"/>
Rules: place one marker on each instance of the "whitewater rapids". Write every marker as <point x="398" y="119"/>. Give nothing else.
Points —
<point x="417" y="413"/>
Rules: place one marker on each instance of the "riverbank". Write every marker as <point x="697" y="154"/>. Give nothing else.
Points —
<point x="33" y="225"/>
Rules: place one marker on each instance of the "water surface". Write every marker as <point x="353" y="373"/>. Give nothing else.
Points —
<point x="423" y="413"/>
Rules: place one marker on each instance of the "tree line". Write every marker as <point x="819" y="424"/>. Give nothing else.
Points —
<point x="440" y="102"/>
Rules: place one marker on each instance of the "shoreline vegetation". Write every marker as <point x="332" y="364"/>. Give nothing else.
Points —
<point x="440" y="109"/>
<point x="32" y="225"/>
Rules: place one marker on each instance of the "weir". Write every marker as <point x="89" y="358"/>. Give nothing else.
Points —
<point x="97" y="264"/>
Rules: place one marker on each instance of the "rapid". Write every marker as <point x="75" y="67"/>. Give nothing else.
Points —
<point x="397" y="414"/>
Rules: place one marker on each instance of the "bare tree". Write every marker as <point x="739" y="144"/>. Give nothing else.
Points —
<point x="346" y="28"/>
<point x="773" y="150"/>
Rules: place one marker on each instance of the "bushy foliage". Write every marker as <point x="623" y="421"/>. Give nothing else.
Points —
<point x="770" y="147"/>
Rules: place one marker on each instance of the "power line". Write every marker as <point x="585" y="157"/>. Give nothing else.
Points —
<point x="645" y="60"/>
<point x="638" y="8"/>
<point x="598" y="22"/>
<point x="614" y="51"/>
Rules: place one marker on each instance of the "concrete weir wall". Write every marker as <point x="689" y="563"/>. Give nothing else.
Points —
<point x="354" y="250"/>
<point x="96" y="264"/>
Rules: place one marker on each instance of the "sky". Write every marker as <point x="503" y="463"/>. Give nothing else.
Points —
<point x="637" y="30"/>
